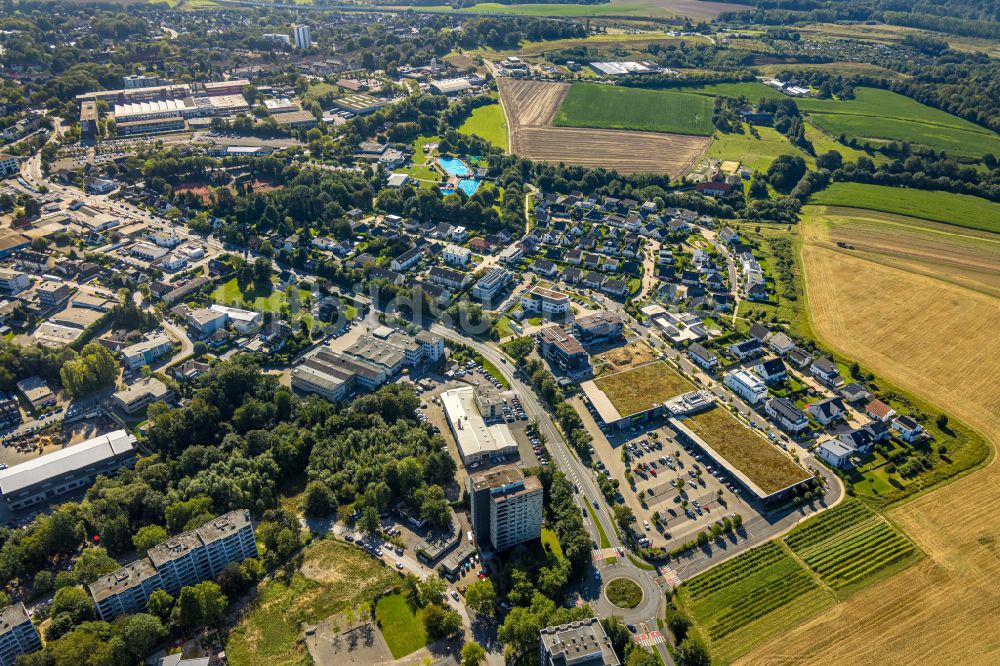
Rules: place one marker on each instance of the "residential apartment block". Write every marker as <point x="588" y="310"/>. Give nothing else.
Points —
<point x="180" y="561"/>
<point x="747" y="385"/>
<point x="581" y="643"/>
<point x="145" y="352"/>
<point x="506" y="507"/>
<point x="547" y="302"/>
<point x="17" y="634"/>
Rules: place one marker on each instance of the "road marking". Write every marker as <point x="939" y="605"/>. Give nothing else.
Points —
<point x="649" y="639"/>
<point x="669" y="575"/>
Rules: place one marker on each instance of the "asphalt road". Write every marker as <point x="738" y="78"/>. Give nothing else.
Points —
<point x="653" y="604"/>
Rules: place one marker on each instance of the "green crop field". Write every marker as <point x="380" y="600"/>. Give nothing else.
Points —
<point x="826" y="524"/>
<point x="962" y="210"/>
<point x="751" y="598"/>
<point x="849" y="546"/>
<point x="487" y="122"/>
<point x="615" y="107"/>
<point x="876" y="114"/>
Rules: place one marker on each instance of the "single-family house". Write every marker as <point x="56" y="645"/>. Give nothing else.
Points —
<point x="781" y="343"/>
<point x="879" y="411"/>
<point x="907" y="428"/>
<point x="835" y="453"/>
<point x="786" y="415"/>
<point x="772" y="371"/>
<point x="827" y="411"/>
<point x="827" y="372"/>
<point x="747" y="349"/>
<point x="702" y="356"/>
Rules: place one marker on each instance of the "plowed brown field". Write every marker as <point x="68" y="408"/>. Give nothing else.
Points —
<point x="939" y="340"/>
<point x="530" y="107"/>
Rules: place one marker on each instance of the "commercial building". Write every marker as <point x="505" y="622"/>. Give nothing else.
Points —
<point x="598" y="327"/>
<point x="627" y="68"/>
<point x="562" y="350"/>
<point x="244" y="321"/>
<point x="144" y="392"/>
<point x="548" y="302"/>
<point x="17" y="634"/>
<point x="51" y="292"/>
<point x="36" y="392"/>
<point x="581" y="643"/>
<point x="506" y="507"/>
<point x="205" y="321"/>
<point x="145" y="352"/>
<point x="747" y="385"/>
<point x="476" y="441"/>
<point x="303" y="38"/>
<point x="332" y="376"/>
<point x="181" y="561"/>
<point x="63" y="471"/>
<point x="490" y="284"/>
<point x="393" y="350"/>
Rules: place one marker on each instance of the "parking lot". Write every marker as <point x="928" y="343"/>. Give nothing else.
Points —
<point x="675" y="494"/>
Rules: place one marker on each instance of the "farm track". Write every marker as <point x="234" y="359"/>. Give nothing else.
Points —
<point x="938" y="340"/>
<point x="530" y="107"/>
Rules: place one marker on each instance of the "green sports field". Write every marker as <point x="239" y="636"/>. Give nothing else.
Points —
<point x="616" y="107"/>
<point x="961" y="210"/>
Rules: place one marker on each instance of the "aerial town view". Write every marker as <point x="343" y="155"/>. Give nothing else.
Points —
<point x="461" y="333"/>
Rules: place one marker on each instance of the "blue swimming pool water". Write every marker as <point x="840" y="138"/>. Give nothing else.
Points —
<point x="468" y="186"/>
<point x="454" y="166"/>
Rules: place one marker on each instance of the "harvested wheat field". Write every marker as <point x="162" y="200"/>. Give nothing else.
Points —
<point x="965" y="257"/>
<point x="530" y="107"/>
<point x="940" y="341"/>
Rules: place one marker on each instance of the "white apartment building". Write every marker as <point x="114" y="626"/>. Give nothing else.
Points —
<point x="457" y="255"/>
<point x="747" y="385"/>
<point x="303" y="39"/>
<point x="548" y="302"/>
<point x="506" y="507"/>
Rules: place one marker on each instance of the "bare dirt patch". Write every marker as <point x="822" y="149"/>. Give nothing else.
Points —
<point x="530" y="107"/>
<point x="624" y="357"/>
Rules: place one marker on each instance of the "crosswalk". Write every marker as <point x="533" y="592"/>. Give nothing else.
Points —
<point x="649" y="639"/>
<point x="669" y="575"/>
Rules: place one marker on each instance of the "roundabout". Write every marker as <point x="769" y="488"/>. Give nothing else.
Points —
<point x="624" y="584"/>
<point x="623" y="593"/>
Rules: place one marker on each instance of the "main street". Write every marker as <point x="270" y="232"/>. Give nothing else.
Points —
<point x="647" y="612"/>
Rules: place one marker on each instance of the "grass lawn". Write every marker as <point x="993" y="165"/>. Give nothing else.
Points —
<point x="334" y="576"/>
<point x="624" y="593"/>
<point x="616" y="107"/>
<point x="495" y="371"/>
<point x="952" y="140"/>
<point x="753" y="455"/>
<point x="638" y="389"/>
<point x="487" y="122"/>
<point x="402" y="628"/>
<point x="229" y="294"/>
<point x="317" y="90"/>
<point x="551" y="542"/>
<point x="959" y="209"/>
<point x="756" y="153"/>
<point x="605" y="543"/>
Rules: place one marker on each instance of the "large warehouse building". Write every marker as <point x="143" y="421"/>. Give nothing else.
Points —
<point x="66" y="470"/>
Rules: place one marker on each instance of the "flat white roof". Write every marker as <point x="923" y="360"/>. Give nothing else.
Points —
<point x="475" y="439"/>
<point x="65" y="461"/>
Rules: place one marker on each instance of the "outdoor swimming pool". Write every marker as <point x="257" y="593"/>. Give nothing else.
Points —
<point x="454" y="166"/>
<point x="468" y="186"/>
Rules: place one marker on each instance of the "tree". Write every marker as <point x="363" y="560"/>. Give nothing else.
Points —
<point x="941" y="421"/>
<point x="431" y="589"/>
<point x="148" y="536"/>
<point x="637" y="656"/>
<point x="93" y="563"/>
<point x="785" y="172"/>
<point x="692" y="652"/>
<point x="481" y="597"/>
<point x="831" y="160"/>
<point x="473" y="654"/>
<point x="370" y="523"/>
<point x="441" y="623"/>
<point x="93" y="369"/>
<point x="519" y="348"/>
<point x="141" y="633"/>
<point x="319" y="501"/>
<point x="160" y="604"/>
